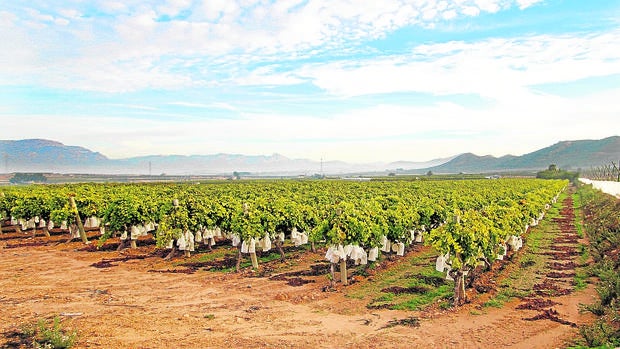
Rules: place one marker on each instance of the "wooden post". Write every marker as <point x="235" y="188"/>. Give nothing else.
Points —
<point x="343" y="272"/>
<point x="254" y="260"/>
<point x="172" y="251"/>
<point x="18" y="227"/>
<point x="459" y="289"/>
<point x="46" y="231"/>
<point x="78" y="220"/>
<point x="280" y="249"/>
<point x="239" y="257"/>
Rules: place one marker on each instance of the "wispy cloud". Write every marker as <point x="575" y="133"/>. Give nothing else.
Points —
<point x="340" y="79"/>
<point x="127" y="46"/>
<point x="215" y="105"/>
<point x="495" y="68"/>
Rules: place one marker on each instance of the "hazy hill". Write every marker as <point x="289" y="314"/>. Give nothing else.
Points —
<point x="39" y="155"/>
<point x="569" y="155"/>
<point x="44" y="156"/>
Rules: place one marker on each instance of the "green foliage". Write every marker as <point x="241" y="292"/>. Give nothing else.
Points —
<point x="344" y="223"/>
<point x="125" y="211"/>
<point x="555" y="173"/>
<point x="28" y="207"/>
<point x="602" y="226"/>
<point x="50" y="336"/>
<point x="250" y="222"/>
<point x="174" y="222"/>
<point x="600" y="334"/>
<point x="467" y="238"/>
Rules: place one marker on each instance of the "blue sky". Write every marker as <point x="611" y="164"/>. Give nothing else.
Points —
<point x="359" y="81"/>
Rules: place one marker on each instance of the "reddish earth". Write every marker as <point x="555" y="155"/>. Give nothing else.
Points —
<point x="135" y="299"/>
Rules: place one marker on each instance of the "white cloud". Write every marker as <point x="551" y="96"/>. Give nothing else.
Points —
<point x="496" y="68"/>
<point x="523" y="4"/>
<point x="490" y="6"/>
<point x="112" y="6"/>
<point x="381" y="133"/>
<point x="215" y="29"/>
<point x="243" y="45"/>
<point x="173" y="7"/>
<point x="470" y="10"/>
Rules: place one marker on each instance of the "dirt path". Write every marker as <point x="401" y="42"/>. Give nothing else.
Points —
<point x="126" y="306"/>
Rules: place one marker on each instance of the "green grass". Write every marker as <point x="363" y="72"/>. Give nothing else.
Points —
<point x="520" y="281"/>
<point x="218" y="253"/>
<point x="580" y="279"/>
<point x="419" y="302"/>
<point x="504" y="296"/>
<point x="577" y="209"/>
<point x="52" y="336"/>
<point x="584" y="253"/>
<point x="411" y="272"/>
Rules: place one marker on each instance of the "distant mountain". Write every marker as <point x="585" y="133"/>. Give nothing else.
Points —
<point x="40" y="155"/>
<point x="569" y="155"/>
<point x="408" y="165"/>
<point x="45" y="156"/>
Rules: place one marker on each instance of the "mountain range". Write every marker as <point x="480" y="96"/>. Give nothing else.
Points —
<point x="40" y="155"/>
<point x="568" y="155"/>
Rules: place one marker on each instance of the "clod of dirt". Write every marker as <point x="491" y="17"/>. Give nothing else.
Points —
<point x="561" y="255"/>
<point x="537" y="304"/>
<point x="563" y="266"/>
<point x="551" y="314"/>
<point x="103" y="264"/>
<point x="174" y="271"/>
<point x="567" y="239"/>
<point x="252" y="309"/>
<point x="563" y="248"/>
<point x="559" y="275"/>
<point x="483" y="288"/>
<point x="298" y="281"/>
<point x="411" y="321"/>
<point x="548" y="288"/>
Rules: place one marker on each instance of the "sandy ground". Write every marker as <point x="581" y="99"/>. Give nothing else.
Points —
<point x="128" y="306"/>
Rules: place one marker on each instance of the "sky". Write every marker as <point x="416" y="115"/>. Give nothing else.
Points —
<point x="353" y="80"/>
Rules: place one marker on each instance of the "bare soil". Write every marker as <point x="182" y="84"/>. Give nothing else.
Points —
<point x="135" y="299"/>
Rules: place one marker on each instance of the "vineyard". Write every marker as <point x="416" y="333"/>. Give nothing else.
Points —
<point x="468" y="222"/>
<point x="466" y="226"/>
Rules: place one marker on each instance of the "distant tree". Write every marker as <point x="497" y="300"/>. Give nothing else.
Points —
<point x="20" y="178"/>
<point x="429" y="173"/>
<point x="553" y="172"/>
